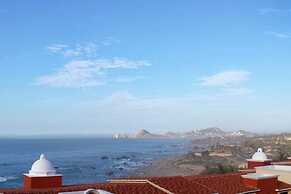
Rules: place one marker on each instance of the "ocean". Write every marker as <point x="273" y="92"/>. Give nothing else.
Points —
<point x="83" y="160"/>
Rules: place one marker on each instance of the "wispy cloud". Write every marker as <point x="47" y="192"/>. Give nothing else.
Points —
<point x="79" y="50"/>
<point x="231" y="82"/>
<point x="84" y="50"/>
<point x="226" y="79"/>
<point x="279" y="35"/>
<point x="128" y="79"/>
<point x="238" y="91"/>
<point x="85" y="69"/>
<point x="274" y="11"/>
<point x="56" y="48"/>
<point x="119" y="97"/>
<point x="87" y="73"/>
<point x="109" y="41"/>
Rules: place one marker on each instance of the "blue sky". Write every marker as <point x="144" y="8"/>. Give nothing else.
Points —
<point x="82" y="67"/>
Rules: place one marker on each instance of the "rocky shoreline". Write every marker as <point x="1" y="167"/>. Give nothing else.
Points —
<point x="169" y="167"/>
<point x="201" y="159"/>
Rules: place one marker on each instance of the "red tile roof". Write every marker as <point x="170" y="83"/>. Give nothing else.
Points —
<point x="124" y="188"/>
<point x="226" y="183"/>
<point x="283" y="186"/>
<point x="181" y="185"/>
<point x="208" y="184"/>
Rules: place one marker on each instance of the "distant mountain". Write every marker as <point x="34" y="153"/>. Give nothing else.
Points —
<point x="142" y="133"/>
<point x="193" y="134"/>
<point x="203" y="133"/>
<point x="210" y="132"/>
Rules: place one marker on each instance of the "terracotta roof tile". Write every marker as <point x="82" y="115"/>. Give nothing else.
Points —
<point x="208" y="184"/>
<point x="124" y="188"/>
<point x="180" y="185"/>
<point x="282" y="185"/>
<point x="226" y="184"/>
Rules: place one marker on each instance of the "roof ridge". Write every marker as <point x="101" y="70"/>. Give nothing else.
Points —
<point x="159" y="187"/>
<point x="215" y="175"/>
<point x="141" y="181"/>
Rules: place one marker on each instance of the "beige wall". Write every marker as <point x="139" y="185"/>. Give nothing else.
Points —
<point x="284" y="176"/>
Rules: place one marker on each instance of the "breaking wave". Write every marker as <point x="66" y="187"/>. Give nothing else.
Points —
<point x="5" y="179"/>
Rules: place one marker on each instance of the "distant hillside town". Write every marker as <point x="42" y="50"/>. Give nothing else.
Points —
<point x="193" y="134"/>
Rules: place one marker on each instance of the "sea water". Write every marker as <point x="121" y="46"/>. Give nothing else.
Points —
<point x="83" y="160"/>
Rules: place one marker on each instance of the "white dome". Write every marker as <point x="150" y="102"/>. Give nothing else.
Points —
<point x="259" y="155"/>
<point x="93" y="191"/>
<point x="42" y="167"/>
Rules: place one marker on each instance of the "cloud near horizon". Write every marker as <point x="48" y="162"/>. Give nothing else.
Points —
<point x="226" y="79"/>
<point x="231" y="82"/>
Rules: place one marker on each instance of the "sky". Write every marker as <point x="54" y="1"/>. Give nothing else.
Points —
<point x="104" y="66"/>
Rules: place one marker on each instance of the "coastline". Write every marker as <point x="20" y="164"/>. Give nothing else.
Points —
<point x="178" y="164"/>
<point x="195" y="161"/>
<point x="168" y="166"/>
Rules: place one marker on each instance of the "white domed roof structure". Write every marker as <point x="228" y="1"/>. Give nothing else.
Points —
<point x="260" y="155"/>
<point x="42" y="167"/>
<point x="93" y="191"/>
